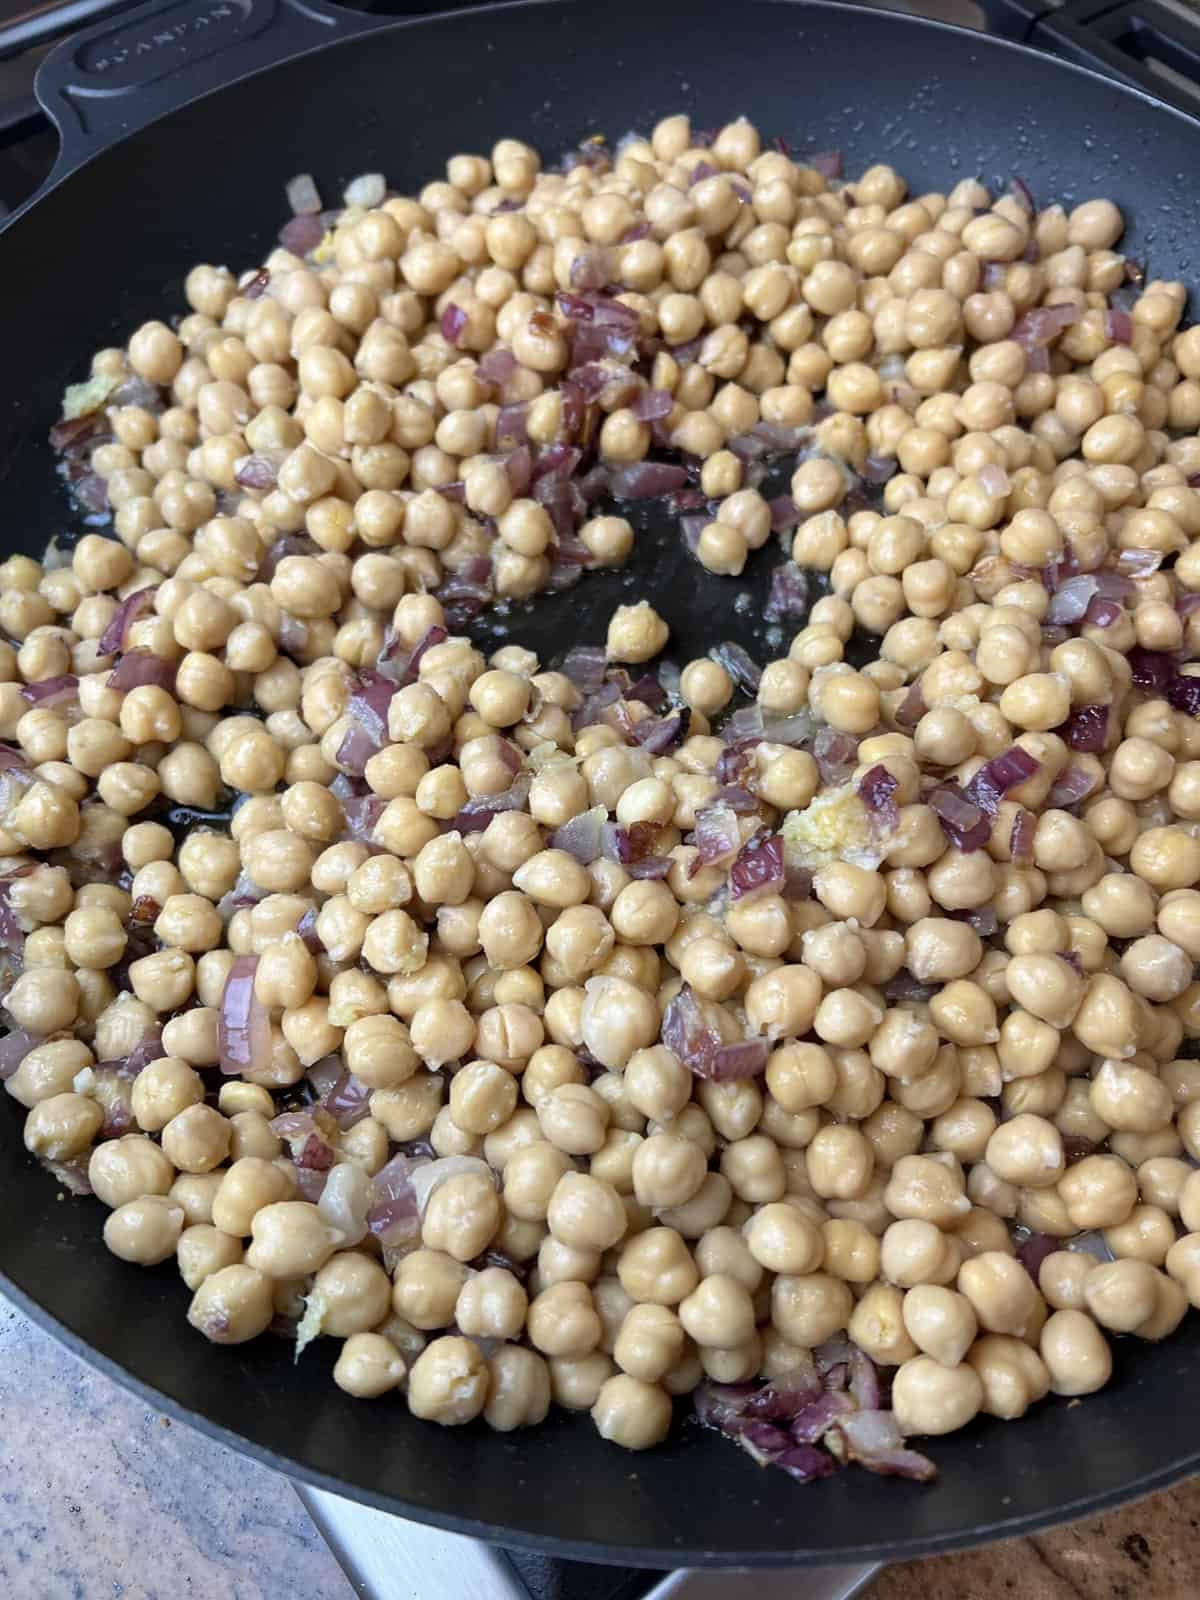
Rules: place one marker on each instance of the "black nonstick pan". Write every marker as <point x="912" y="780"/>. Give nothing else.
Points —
<point x="167" y="162"/>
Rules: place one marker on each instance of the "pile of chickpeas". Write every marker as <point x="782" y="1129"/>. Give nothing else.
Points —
<point x="623" y="1229"/>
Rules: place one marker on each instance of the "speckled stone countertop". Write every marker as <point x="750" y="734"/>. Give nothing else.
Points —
<point x="103" y="1499"/>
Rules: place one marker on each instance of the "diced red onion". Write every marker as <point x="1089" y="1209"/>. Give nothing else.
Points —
<point x="452" y="323"/>
<point x="688" y="1030"/>
<point x="734" y="1062"/>
<point x="361" y="813"/>
<point x="1151" y="670"/>
<point x="650" y="867"/>
<point x="813" y="1421"/>
<point x="737" y="799"/>
<point x="585" y="665"/>
<point x="302" y="234"/>
<point x="116" y="634"/>
<point x="405" y="669"/>
<point x="745" y="672"/>
<point x="1069" y="602"/>
<point x="511" y="426"/>
<point x="878" y="469"/>
<point x="717" y="836"/>
<point x="759" y="864"/>
<point x="348" y="1102"/>
<point x="963" y="822"/>
<point x="791" y="730"/>
<point x="477" y="814"/>
<point x="1086" y="729"/>
<point x="316" y="1154"/>
<point x="798" y="883"/>
<point x="873" y="1440"/>
<point x="646" y="479"/>
<point x="581" y="835"/>
<point x="877" y="791"/>
<point x="137" y="668"/>
<point x="259" y="471"/>
<point x="836" y="754"/>
<point x="302" y="195"/>
<point x="735" y="764"/>
<point x="1034" y="1249"/>
<point x="1020" y="840"/>
<point x="518" y="464"/>
<point x="497" y="366"/>
<point x="589" y="270"/>
<point x="747" y="447"/>
<point x="1139" y="563"/>
<point x="369" y="704"/>
<point x="785" y="513"/>
<point x="311" y="1182"/>
<point x="627" y="845"/>
<point x="49" y="692"/>
<point x="996" y="777"/>
<point x="243" y="1026"/>
<point x="1118" y="325"/>
<point x="652" y="403"/>
<point x="1183" y="693"/>
<point x="827" y="162"/>
<point x="912" y="708"/>
<point x="1041" y="325"/>
<point x="658" y="735"/>
<point x="323" y="1074"/>
<point x="1069" y="788"/>
<point x="356" y="749"/>
<point x="984" y="921"/>
<point x="294" y="1124"/>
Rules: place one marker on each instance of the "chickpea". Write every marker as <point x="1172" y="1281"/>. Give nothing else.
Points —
<point x="1075" y="1352"/>
<point x="632" y="1413"/>
<point x="145" y="1231"/>
<point x="448" y="1382"/>
<point x="232" y="1305"/>
<point x="929" y="1398"/>
<point x="127" y="1169"/>
<point x="940" y="1322"/>
<point x="203" y="1250"/>
<point x="461" y="1215"/>
<point x="369" y="1365"/>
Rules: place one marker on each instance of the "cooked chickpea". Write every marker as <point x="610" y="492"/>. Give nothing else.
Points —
<point x="448" y="1382"/>
<point x="1076" y="1353"/>
<point x="632" y="1413"/>
<point x="232" y="1304"/>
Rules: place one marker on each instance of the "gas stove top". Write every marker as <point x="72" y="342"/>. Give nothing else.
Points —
<point x="1152" y="43"/>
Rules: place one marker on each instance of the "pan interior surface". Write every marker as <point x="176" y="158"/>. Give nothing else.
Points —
<point x="110" y="247"/>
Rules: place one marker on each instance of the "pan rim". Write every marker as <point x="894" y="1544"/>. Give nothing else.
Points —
<point x="589" y="1550"/>
<point x="586" y="1550"/>
<point x="433" y="19"/>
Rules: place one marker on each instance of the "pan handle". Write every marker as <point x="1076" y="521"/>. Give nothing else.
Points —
<point x="115" y="77"/>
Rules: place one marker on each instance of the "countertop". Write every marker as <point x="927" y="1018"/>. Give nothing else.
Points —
<point x="104" y="1499"/>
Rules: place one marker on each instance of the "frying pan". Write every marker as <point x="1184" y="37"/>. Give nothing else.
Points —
<point x="165" y="162"/>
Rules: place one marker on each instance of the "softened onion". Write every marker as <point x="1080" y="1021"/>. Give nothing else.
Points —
<point x="243" y="1026"/>
<point x="345" y="1201"/>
